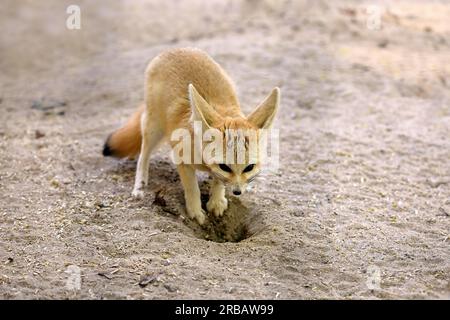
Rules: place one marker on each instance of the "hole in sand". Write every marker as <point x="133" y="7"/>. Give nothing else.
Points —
<point x="237" y="223"/>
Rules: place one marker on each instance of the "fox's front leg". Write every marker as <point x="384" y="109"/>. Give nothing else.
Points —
<point x="191" y="193"/>
<point x="217" y="203"/>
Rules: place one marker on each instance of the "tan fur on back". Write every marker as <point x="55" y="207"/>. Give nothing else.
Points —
<point x="168" y="77"/>
<point x="166" y="84"/>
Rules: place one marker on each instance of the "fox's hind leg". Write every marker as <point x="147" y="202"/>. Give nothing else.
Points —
<point x="152" y="132"/>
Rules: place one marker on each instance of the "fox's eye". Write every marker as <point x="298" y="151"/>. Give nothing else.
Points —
<point x="249" y="168"/>
<point x="224" y="167"/>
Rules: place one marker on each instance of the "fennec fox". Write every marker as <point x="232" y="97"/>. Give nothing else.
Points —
<point x="183" y="87"/>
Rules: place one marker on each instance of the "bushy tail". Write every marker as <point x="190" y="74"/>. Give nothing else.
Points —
<point x="126" y="141"/>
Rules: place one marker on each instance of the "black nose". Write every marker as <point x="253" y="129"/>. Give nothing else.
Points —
<point x="236" y="192"/>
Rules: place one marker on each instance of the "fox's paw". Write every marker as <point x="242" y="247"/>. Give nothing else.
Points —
<point x="198" y="213"/>
<point x="217" y="206"/>
<point x="137" y="193"/>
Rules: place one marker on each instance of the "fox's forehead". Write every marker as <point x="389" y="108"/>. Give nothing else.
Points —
<point x="239" y="140"/>
<point x="233" y="137"/>
<point x="240" y="146"/>
<point x="235" y="124"/>
<point x="237" y="130"/>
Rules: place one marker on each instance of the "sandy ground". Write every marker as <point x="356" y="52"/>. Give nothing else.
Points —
<point x="360" y="207"/>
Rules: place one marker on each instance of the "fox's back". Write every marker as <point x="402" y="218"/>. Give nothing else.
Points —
<point x="169" y="75"/>
<point x="175" y="82"/>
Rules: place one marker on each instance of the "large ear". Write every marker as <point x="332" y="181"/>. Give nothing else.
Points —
<point x="263" y="115"/>
<point x="201" y="110"/>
